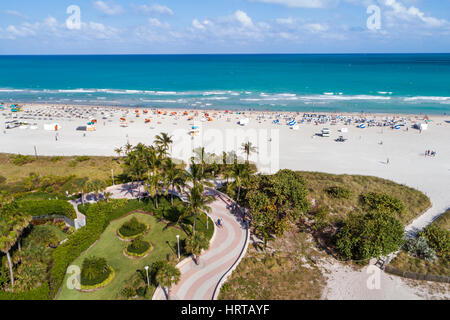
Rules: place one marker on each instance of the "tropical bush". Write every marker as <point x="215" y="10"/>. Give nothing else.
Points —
<point x="321" y="218"/>
<point x="439" y="240"/>
<point x="276" y="201"/>
<point x="94" y="271"/>
<point x="41" y="235"/>
<point x="365" y="236"/>
<point x="82" y="158"/>
<point x="419" y="248"/>
<point x="138" y="247"/>
<point x="382" y="203"/>
<point x="20" y="160"/>
<point x="338" y="192"/>
<point x="195" y="244"/>
<point x="132" y="228"/>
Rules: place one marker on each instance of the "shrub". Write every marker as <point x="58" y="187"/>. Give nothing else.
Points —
<point x="94" y="271"/>
<point x="42" y="235"/>
<point x="56" y="159"/>
<point x="47" y="207"/>
<point x="2" y="179"/>
<point x="138" y="246"/>
<point x="321" y="218"/>
<point x="73" y="163"/>
<point x="382" y="203"/>
<point x="82" y="158"/>
<point x="369" y="235"/>
<point x="338" y="192"/>
<point x="20" y="160"/>
<point x="419" y="248"/>
<point x="132" y="228"/>
<point x="439" y="240"/>
<point x="141" y="291"/>
<point x="127" y="292"/>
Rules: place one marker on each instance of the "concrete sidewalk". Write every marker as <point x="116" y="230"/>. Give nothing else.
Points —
<point x="198" y="282"/>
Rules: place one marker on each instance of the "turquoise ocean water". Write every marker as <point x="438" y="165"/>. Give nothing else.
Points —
<point x="391" y="83"/>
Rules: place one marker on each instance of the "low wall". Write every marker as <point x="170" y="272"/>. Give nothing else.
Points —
<point x="416" y="276"/>
<point x="67" y="220"/>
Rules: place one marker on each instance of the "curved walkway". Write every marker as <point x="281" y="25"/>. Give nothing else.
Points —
<point x="228" y="245"/>
<point x="199" y="282"/>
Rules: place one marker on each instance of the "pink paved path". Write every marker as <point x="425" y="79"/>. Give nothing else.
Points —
<point x="198" y="282"/>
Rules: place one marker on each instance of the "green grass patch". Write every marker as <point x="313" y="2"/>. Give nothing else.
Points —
<point x="47" y="166"/>
<point x="110" y="247"/>
<point x="415" y="202"/>
<point x="289" y="273"/>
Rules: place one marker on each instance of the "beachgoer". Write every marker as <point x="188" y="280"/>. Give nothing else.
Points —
<point x="387" y="161"/>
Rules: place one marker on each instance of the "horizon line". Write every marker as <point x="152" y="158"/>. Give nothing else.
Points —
<point x="212" y="54"/>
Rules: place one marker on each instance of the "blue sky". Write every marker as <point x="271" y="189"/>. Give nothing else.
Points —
<point x="224" y="26"/>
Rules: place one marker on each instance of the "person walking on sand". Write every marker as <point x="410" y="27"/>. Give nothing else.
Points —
<point x="387" y="161"/>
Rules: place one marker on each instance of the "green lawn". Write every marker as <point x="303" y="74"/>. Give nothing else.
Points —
<point x="110" y="247"/>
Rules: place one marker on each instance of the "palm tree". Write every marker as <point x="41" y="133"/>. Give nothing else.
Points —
<point x="118" y="151"/>
<point x="107" y="196"/>
<point x="127" y="148"/>
<point x="135" y="166"/>
<point x="248" y="148"/>
<point x="200" y="156"/>
<point x="153" y="187"/>
<point x="197" y="203"/>
<point x="166" y="276"/>
<point x="163" y="140"/>
<point x="174" y="176"/>
<point x="195" y="244"/>
<point x="82" y="186"/>
<point x="197" y="176"/>
<point x="12" y="225"/>
<point x="240" y="173"/>
<point x="98" y="186"/>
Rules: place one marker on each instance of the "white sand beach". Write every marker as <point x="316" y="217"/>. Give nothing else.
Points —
<point x="395" y="154"/>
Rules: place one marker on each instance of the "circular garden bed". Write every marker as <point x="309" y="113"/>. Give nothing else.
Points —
<point x="132" y="229"/>
<point x="138" y="249"/>
<point x="95" y="274"/>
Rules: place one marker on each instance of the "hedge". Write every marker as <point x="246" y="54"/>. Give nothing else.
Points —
<point x="143" y="232"/>
<point x="41" y="293"/>
<point x="78" y="242"/>
<point x="47" y="208"/>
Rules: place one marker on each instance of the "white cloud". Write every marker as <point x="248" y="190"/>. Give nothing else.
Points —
<point x="400" y="11"/>
<point x="108" y="8"/>
<point x="156" y="23"/>
<point x="15" y="13"/>
<point x="155" y="8"/>
<point x="198" y="25"/>
<point x="243" y="18"/>
<point x="302" y="3"/>
<point x="50" y="28"/>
